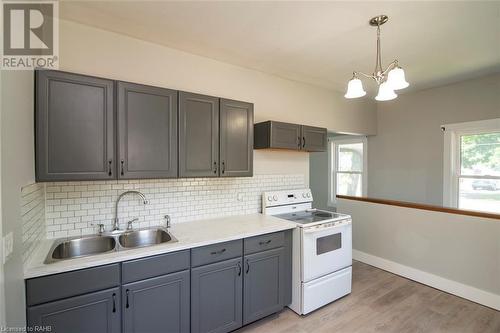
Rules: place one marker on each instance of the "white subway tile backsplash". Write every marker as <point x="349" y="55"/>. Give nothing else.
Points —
<point x="33" y="217"/>
<point x="72" y="207"/>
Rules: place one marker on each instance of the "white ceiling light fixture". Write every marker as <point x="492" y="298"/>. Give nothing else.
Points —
<point x="388" y="80"/>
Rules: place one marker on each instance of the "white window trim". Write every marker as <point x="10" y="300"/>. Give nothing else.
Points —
<point x="451" y="162"/>
<point x="332" y="158"/>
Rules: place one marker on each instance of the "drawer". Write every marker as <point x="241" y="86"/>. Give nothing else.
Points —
<point x="216" y="252"/>
<point x="57" y="286"/>
<point x="148" y="267"/>
<point x="264" y="242"/>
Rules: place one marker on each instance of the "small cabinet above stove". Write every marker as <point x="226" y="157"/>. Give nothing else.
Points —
<point x="278" y="135"/>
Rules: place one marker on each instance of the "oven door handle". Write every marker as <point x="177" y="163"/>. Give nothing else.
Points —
<point x="311" y="230"/>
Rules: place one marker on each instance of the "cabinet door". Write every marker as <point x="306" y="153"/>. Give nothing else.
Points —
<point x="216" y="297"/>
<point x="236" y="139"/>
<point x="285" y="135"/>
<point x="74" y="117"/>
<point x="95" y="312"/>
<point x="147" y="132"/>
<point x="264" y="284"/>
<point x="198" y="135"/>
<point x="314" y="138"/>
<point x="159" y="304"/>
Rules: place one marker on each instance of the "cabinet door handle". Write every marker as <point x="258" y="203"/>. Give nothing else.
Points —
<point x="122" y="172"/>
<point x="110" y="172"/>
<point x="265" y="242"/>
<point x="303" y="142"/>
<point x="248" y="268"/>
<point x="215" y="167"/>
<point x="218" y="252"/>
<point x="239" y="268"/>
<point x="223" y="166"/>
<point x="114" y="302"/>
<point x="126" y="304"/>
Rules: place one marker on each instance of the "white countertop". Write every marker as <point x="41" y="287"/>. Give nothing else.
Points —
<point x="188" y="234"/>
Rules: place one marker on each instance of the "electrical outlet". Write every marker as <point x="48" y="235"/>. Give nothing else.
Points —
<point x="240" y="197"/>
<point x="8" y="246"/>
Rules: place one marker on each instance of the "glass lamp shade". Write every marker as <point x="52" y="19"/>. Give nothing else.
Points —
<point x="396" y="79"/>
<point x="385" y="92"/>
<point x="355" y="89"/>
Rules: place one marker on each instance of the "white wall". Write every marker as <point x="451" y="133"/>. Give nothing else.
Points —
<point x="405" y="158"/>
<point x="2" y="285"/>
<point x="17" y="170"/>
<point x="459" y="254"/>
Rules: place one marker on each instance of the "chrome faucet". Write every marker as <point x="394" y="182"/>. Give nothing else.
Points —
<point x="116" y="225"/>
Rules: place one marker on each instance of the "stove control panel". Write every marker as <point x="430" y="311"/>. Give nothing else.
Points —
<point x="287" y="197"/>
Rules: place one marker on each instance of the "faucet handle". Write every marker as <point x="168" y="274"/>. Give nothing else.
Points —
<point x="100" y="226"/>
<point x="167" y="221"/>
<point x="129" y="223"/>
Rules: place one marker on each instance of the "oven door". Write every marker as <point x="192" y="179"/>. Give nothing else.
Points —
<point x="326" y="250"/>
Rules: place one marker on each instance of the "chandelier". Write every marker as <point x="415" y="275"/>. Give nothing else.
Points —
<point x="388" y="80"/>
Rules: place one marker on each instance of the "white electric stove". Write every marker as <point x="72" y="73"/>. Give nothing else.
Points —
<point x="322" y="249"/>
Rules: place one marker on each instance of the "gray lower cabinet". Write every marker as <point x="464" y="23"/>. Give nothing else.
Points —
<point x="216" y="297"/>
<point x="264" y="284"/>
<point x="147" y="131"/>
<point x="74" y="127"/>
<point x="236" y="138"/>
<point x="159" y="304"/>
<point x="314" y="138"/>
<point x="198" y="135"/>
<point x="90" y="313"/>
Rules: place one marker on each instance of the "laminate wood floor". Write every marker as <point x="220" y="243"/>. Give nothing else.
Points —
<point x="383" y="302"/>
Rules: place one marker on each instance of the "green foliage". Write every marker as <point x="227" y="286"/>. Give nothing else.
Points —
<point x="481" y="151"/>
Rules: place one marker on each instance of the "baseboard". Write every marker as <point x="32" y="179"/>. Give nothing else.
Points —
<point x="456" y="288"/>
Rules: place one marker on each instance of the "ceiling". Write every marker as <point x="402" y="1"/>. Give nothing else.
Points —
<point x="319" y="43"/>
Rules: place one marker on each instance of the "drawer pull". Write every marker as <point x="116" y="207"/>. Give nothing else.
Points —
<point x="265" y="242"/>
<point x="218" y="252"/>
<point x="114" y="302"/>
<point x="126" y="305"/>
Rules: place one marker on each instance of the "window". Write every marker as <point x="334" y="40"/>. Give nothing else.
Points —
<point x="472" y="166"/>
<point x="347" y="167"/>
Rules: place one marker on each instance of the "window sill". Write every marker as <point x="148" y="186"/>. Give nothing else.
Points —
<point x="423" y="207"/>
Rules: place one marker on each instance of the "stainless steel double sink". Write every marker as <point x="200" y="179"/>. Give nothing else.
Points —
<point x="69" y="248"/>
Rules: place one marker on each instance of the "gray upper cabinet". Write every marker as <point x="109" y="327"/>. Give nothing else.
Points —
<point x="74" y="127"/>
<point x="314" y="138"/>
<point x="198" y="135"/>
<point x="279" y="135"/>
<point x="159" y="304"/>
<point x="264" y="284"/>
<point x="216" y="297"/>
<point x="94" y="312"/>
<point x="147" y="131"/>
<point x="236" y="138"/>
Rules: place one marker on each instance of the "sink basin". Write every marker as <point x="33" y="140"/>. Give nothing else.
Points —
<point x="80" y="247"/>
<point x="145" y="237"/>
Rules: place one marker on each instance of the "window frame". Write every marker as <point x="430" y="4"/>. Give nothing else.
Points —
<point x="452" y="157"/>
<point x="333" y="143"/>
